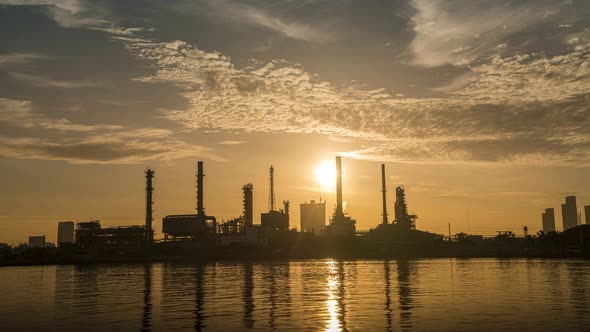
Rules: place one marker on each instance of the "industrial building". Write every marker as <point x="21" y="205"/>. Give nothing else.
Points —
<point x="65" y="233"/>
<point x="238" y="225"/>
<point x="242" y="230"/>
<point x="149" y="205"/>
<point x="402" y="217"/>
<point x="313" y="217"/>
<point x="191" y="226"/>
<point x="90" y="234"/>
<point x="340" y="225"/>
<point x="274" y="220"/>
<point x="569" y="213"/>
<point x="37" y="241"/>
<point x="399" y="235"/>
<point x="403" y="220"/>
<point x="548" y="218"/>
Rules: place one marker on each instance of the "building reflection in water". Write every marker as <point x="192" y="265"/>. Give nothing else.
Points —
<point x="277" y="286"/>
<point x="271" y="281"/>
<point x="146" y="318"/>
<point x="404" y="281"/>
<point x="336" y="293"/>
<point x="248" y="295"/>
<point x="64" y="290"/>
<point x="85" y="297"/>
<point x="199" y="297"/>
<point x="388" y="310"/>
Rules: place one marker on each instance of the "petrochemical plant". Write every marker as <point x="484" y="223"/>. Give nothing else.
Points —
<point x="200" y="230"/>
<point x="202" y="236"/>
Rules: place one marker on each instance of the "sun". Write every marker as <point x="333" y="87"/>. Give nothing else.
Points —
<point x="325" y="174"/>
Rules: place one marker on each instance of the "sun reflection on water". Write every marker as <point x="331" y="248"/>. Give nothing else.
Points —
<point x="332" y="304"/>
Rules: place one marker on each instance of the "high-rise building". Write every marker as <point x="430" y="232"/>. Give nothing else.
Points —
<point x="569" y="212"/>
<point x="37" y="241"/>
<point x="65" y="232"/>
<point x="587" y="213"/>
<point x="548" y="220"/>
<point x="313" y="216"/>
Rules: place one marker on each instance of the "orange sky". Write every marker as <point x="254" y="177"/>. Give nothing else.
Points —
<point x="478" y="108"/>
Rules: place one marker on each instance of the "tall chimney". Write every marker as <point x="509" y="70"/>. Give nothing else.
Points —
<point x="149" y="190"/>
<point x="384" y="191"/>
<point x="200" y="209"/>
<point x="271" y="195"/>
<point x="248" y="205"/>
<point x="339" y="210"/>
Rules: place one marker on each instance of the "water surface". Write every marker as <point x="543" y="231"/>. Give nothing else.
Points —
<point x="309" y="295"/>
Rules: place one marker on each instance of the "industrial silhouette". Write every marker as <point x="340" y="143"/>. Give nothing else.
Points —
<point x="200" y="235"/>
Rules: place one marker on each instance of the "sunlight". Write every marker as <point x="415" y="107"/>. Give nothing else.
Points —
<point x="325" y="174"/>
<point x="333" y="323"/>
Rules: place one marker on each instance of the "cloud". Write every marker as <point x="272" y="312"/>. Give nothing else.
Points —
<point x="459" y="32"/>
<point x="256" y="16"/>
<point x="101" y="144"/>
<point x="231" y="142"/>
<point x="66" y="13"/>
<point x="19" y="113"/>
<point x="119" y="31"/>
<point x="20" y="59"/>
<point x="100" y="150"/>
<point x="47" y="82"/>
<point x="521" y="109"/>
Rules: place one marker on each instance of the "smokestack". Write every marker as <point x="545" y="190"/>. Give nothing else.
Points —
<point x="339" y="210"/>
<point x="200" y="209"/>
<point x="149" y="190"/>
<point x="248" y="205"/>
<point x="271" y="195"/>
<point x="384" y="191"/>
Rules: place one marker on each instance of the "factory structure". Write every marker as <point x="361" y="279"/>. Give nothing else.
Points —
<point x="274" y="220"/>
<point x="340" y="225"/>
<point x="203" y="230"/>
<point x="191" y="226"/>
<point x="313" y="217"/>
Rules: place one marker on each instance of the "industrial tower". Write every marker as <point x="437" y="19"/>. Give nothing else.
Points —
<point x="340" y="224"/>
<point x="274" y="220"/>
<point x="384" y="192"/>
<point x="271" y="193"/>
<point x="402" y="217"/>
<point x="200" y="175"/>
<point x="248" y="209"/>
<point x="149" y="202"/>
<point x="191" y="226"/>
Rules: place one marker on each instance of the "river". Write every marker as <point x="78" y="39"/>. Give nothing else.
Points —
<point x="303" y="295"/>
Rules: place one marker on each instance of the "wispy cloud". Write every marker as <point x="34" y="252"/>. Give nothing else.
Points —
<point x="101" y="150"/>
<point x="20" y="59"/>
<point x="19" y="113"/>
<point x="102" y="144"/>
<point x="66" y="13"/>
<point x="459" y="32"/>
<point x="248" y="14"/>
<point x="231" y="142"/>
<point x="48" y="82"/>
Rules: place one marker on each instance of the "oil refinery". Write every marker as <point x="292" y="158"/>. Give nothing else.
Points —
<point x="201" y="234"/>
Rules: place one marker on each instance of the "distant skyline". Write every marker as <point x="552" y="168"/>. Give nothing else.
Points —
<point x="473" y="105"/>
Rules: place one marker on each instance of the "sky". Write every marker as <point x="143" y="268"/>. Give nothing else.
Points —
<point x="480" y="109"/>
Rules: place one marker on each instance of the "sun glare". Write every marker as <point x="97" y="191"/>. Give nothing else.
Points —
<point x="325" y="174"/>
